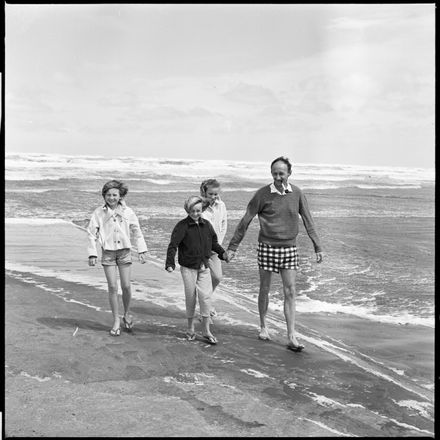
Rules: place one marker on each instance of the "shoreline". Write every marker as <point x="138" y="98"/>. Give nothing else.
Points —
<point x="78" y="357"/>
<point x="65" y="376"/>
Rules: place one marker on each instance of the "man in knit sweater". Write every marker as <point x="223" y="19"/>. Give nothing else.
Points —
<point x="278" y="207"/>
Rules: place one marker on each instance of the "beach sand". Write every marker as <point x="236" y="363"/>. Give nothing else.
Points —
<point x="65" y="376"/>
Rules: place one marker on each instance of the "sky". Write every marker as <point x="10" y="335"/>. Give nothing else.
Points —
<point x="320" y="83"/>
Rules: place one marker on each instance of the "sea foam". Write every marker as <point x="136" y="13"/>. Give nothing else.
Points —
<point x="53" y="166"/>
<point x="308" y="305"/>
<point x="36" y="221"/>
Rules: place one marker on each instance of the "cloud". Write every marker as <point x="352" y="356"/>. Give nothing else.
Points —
<point x="200" y="112"/>
<point x="63" y="78"/>
<point x="28" y="101"/>
<point x="252" y="94"/>
<point x="365" y="67"/>
<point x="37" y="124"/>
<point x="120" y="99"/>
<point x="166" y="112"/>
<point x="355" y="24"/>
<point x="272" y="111"/>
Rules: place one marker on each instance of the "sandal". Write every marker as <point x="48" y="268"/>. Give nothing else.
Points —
<point x="128" y="325"/>
<point x="190" y="336"/>
<point x="210" y="339"/>
<point x="114" y="332"/>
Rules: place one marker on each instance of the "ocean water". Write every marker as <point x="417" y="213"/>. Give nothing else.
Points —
<point x="376" y="224"/>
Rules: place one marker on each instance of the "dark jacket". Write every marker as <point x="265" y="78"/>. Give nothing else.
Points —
<point x="195" y="243"/>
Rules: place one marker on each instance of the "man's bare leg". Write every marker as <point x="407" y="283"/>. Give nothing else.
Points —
<point x="289" y="278"/>
<point x="263" y="302"/>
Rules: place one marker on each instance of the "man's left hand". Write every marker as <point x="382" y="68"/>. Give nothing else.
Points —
<point x="319" y="257"/>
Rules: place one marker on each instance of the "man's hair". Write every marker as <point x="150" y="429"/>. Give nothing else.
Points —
<point x="206" y="183"/>
<point x="285" y="160"/>
<point x="122" y="187"/>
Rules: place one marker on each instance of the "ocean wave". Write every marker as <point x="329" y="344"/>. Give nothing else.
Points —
<point x="328" y="428"/>
<point x="304" y="304"/>
<point x="46" y="166"/>
<point x="78" y="278"/>
<point x="255" y="373"/>
<point x="324" y="400"/>
<point x="159" y="181"/>
<point x="32" y="190"/>
<point x="36" y="221"/>
<point x="371" y="213"/>
<point x="423" y="408"/>
<point x="307" y="305"/>
<point x="169" y="185"/>
<point x="375" y="186"/>
<point x="405" y="425"/>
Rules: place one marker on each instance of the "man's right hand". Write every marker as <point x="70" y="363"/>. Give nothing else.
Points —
<point x="231" y="254"/>
<point x="92" y="261"/>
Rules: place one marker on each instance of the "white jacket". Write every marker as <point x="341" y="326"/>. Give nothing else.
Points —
<point x="111" y="228"/>
<point x="217" y="216"/>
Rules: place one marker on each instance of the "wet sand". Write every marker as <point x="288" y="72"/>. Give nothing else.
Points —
<point x="65" y="376"/>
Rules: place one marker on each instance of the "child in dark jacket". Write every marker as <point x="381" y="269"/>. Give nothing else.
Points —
<point x="195" y="239"/>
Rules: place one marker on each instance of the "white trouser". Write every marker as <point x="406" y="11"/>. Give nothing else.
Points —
<point x="197" y="283"/>
<point x="215" y="266"/>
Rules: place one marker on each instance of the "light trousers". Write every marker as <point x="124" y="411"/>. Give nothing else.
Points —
<point x="197" y="284"/>
<point x="215" y="266"/>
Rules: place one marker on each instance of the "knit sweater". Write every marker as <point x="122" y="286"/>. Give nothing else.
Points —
<point x="278" y="217"/>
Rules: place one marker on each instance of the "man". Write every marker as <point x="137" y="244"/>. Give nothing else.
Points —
<point x="278" y="206"/>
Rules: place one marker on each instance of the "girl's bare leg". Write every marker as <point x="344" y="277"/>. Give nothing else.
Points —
<point x="112" y="282"/>
<point x="125" y="276"/>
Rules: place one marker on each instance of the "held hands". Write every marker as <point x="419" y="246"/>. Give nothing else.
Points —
<point x="228" y="256"/>
<point x="92" y="261"/>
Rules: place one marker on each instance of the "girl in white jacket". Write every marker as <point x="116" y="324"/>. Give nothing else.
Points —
<point x="214" y="210"/>
<point x="110" y="225"/>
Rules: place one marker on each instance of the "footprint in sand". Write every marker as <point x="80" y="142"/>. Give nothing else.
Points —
<point x="133" y="372"/>
<point x="132" y="356"/>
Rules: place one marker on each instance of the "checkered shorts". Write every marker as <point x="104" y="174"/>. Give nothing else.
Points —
<point x="276" y="258"/>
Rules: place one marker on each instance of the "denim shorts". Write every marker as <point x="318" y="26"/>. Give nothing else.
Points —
<point x="116" y="258"/>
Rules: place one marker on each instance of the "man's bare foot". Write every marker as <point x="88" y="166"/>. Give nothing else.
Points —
<point x="294" y="345"/>
<point x="264" y="334"/>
